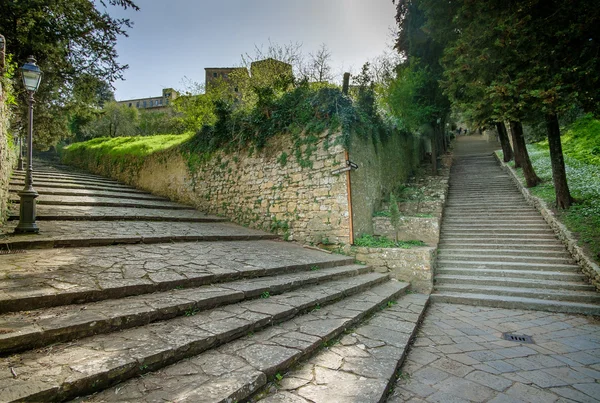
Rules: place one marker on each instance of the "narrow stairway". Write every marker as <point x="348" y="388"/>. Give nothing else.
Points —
<point x="497" y="250"/>
<point x="125" y="296"/>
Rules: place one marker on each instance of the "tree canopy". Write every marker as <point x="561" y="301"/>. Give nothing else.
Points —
<point x="74" y="44"/>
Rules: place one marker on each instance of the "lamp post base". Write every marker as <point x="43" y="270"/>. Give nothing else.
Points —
<point x="20" y="165"/>
<point x="27" y="224"/>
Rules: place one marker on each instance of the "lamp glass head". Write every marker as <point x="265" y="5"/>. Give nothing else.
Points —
<point x="32" y="75"/>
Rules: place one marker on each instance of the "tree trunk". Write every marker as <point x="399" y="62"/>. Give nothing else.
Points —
<point x="522" y="155"/>
<point x="434" y="167"/>
<point x="504" y="142"/>
<point x="559" y="175"/>
<point x="516" y="153"/>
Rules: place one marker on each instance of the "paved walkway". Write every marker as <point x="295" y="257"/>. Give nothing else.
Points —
<point x="460" y="356"/>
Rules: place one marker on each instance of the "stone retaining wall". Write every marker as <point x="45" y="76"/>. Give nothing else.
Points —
<point x="7" y="155"/>
<point x="267" y="189"/>
<point x="589" y="268"/>
<point x="426" y="229"/>
<point x="415" y="265"/>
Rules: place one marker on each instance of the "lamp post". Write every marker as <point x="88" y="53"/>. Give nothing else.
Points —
<point x="32" y="75"/>
<point x="20" y="160"/>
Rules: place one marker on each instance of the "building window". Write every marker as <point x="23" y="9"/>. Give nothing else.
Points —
<point x="144" y="104"/>
<point x="215" y="75"/>
<point x="137" y="104"/>
<point x="161" y="101"/>
<point x="130" y="104"/>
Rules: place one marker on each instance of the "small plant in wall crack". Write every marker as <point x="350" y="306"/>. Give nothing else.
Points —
<point x="265" y="295"/>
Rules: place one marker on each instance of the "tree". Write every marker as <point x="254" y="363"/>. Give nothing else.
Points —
<point x="115" y="120"/>
<point x="423" y="53"/>
<point x="73" y="41"/>
<point x="318" y="68"/>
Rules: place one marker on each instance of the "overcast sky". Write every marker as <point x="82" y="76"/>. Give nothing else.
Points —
<point x="173" y="39"/>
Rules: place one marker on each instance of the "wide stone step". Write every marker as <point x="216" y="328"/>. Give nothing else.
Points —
<point x="441" y="279"/>
<point x="554" y="275"/>
<point x="45" y="278"/>
<point x="482" y="257"/>
<point x="484" y="222"/>
<point x="546" y="245"/>
<point x="369" y="357"/>
<point x="49" y="191"/>
<point x="527" y="252"/>
<point x="506" y="216"/>
<point x="507" y="302"/>
<point x="99" y="361"/>
<point x="76" y="186"/>
<point x="103" y="213"/>
<point x="506" y="235"/>
<point x="56" y="234"/>
<point x="50" y="200"/>
<point x="31" y="329"/>
<point x="63" y="175"/>
<point x="237" y="370"/>
<point x="587" y="297"/>
<point x="499" y="265"/>
<point x="496" y="227"/>
<point x="20" y="179"/>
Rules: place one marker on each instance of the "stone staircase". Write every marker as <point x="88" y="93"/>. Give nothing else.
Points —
<point x="125" y="296"/>
<point x="497" y="250"/>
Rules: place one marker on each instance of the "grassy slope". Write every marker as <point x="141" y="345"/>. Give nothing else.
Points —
<point x="128" y="146"/>
<point x="581" y="147"/>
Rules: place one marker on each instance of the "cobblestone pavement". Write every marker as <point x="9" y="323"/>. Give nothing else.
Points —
<point x="460" y="356"/>
<point x="54" y="271"/>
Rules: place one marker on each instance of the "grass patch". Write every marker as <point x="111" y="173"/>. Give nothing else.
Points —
<point x="583" y="218"/>
<point x="370" y="241"/>
<point x="137" y="146"/>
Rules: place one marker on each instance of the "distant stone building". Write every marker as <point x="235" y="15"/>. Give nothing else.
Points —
<point x="265" y="71"/>
<point x="216" y="74"/>
<point x="152" y="103"/>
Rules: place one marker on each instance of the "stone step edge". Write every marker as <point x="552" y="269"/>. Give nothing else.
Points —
<point x="14" y="244"/>
<point x="155" y="218"/>
<point x="131" y="196"/>
<point x="531" y="274"/>
<point x="109" y="204"/>
<point x="512" y="281"/>
<point x="58" y="185"/>
<point x="500" y="264"/>
<point x="215" y="390"/>
<point x="449" y="245"/>
<point x="112" y="371"/>
<point x="516" y="303"/>
<point x="85" y="296"/>
<point x="501" y="252"/>
<point x="72" y="181"/>
<point x="464" y="257"/>
<point x="88" y="322"/>
<point x="539" y="293"/>
<point x="394" y="362"/>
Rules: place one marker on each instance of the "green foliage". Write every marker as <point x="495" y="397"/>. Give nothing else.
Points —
<point x="75" y="45"/>
<point x="114" y="120"/>
<point x="383" y="213"/>
<point x="265" y="295"/>
<point x="582" y="140"/>
<point x="583" y="217"/>
<point x="283" y="159"/>
<point x="117" y="150"/>
<point x="370" y="241"/>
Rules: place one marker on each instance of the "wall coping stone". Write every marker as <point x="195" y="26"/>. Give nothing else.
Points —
<point x="590" y="269"/>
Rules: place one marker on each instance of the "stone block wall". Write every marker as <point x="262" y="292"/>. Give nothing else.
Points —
<point x="415" y="265"/>
<point x="7" y="154"/>
<point x="383" y="166"/>
<point x="426" y="229"/>
<point x="267" y="189"/>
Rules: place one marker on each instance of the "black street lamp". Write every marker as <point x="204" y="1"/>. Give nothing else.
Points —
<point x="32" y="75"/>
